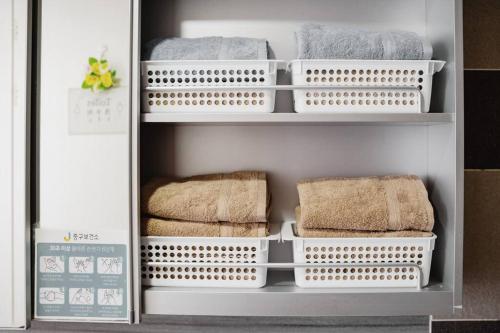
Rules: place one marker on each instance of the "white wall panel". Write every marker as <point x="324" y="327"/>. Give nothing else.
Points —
<point x="14" y="234"/>
<point x="6" y="165"/>
<point x="84" y="177"/>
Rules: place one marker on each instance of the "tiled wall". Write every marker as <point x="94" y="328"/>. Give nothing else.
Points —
<point x="482" y="160"/>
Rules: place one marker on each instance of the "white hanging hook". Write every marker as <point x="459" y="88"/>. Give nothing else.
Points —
<point x="104" y="51"/>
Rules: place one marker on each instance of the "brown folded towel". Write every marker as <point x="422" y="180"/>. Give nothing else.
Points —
<point x="238" y="197"/>
<point x="159" y="227"/>
<point x="368" y="203"/>
<point x="335" y="233"/>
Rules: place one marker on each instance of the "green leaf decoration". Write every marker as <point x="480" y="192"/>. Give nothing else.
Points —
<point x="99" y="71"/>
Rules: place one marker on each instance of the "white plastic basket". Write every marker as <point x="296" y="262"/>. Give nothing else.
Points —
<point x="208" y="86"/>
<point x="364" y="85"/>
<point x="199" y="261"/>
<point x="361" y="262"/>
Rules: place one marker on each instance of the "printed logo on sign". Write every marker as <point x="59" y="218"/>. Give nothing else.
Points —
<point x="80" y="236"/>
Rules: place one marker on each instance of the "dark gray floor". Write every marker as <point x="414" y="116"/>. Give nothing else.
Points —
<point x="152" y="324"/>
<point x="464" y="326"/>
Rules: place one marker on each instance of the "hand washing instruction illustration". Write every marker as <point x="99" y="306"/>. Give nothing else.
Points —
<point x="81" y="296"/>
<point x="51" y="296"/>
<point x="51" y="264"/>
<point x="112" y="297"/>
<point x="83" y="265"/>
<point x="109" y="265"/>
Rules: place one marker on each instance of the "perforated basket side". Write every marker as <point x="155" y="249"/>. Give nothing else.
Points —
<point x="349" y="252"/>
<point x="209" y="101"/>
<point x="207" y="73"/>
<point x="203" y="250"/>
<point x="359" y="100"/>
<point x="414" y="76"/>
<point x="175" y="74"/>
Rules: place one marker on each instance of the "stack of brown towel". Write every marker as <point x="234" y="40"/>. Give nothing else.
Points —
<point x="392" y="206"/>
<point x="216" y="205"/>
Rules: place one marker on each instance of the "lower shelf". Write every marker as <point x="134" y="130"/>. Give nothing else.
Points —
<point x="281" y="297"/>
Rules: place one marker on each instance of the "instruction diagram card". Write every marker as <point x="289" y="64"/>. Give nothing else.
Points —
<point x="81" y="275"/>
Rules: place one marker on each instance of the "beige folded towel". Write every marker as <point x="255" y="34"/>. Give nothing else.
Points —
<point x="159" y="227"/>
<point x="238" y="197"/>
<point x="335" y="233"/>
<point x="368" y="203"/>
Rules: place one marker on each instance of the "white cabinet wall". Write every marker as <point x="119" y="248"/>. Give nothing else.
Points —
<point x="84" y="177"/>
<point x="14" y="136"/>
<point x="84" y="137"/>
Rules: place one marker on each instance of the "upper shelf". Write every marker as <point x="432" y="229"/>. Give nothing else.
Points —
<point x="300" y="118"/>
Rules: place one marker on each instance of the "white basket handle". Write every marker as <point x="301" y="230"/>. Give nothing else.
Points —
<point x="274" y="232"/>
<point x="280" y="87"/>
<point x="436" y="66"/>
<point x="287" y="231"/>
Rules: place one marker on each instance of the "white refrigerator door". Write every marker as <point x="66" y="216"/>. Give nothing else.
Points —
<point x="14" y="104"/>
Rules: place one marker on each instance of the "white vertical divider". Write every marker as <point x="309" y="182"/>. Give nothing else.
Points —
<point x="135" y="158"/>
<point x="14" y="180"/>
<point x="84" y="167"/>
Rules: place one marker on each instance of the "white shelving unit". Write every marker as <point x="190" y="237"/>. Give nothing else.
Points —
<point x="428" y="145"/>
<point x="105" y="169"/>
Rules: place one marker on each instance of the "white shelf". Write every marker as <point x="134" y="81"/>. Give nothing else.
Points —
<point x="300" y="118"/>
<point x="282" y="298"/>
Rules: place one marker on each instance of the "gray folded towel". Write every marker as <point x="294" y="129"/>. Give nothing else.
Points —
<point x="206" y="48"/>
<point x="319" y="41"/>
